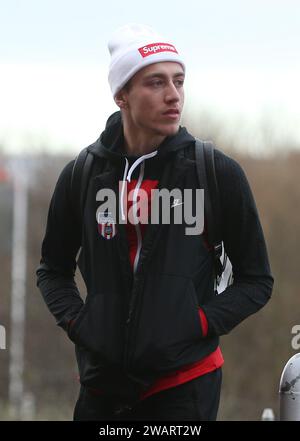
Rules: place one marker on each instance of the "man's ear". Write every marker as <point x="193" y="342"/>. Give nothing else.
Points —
<point x="121" y="99"/>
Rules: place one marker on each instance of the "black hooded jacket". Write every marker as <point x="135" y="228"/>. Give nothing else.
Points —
<point x="135" y="327"/>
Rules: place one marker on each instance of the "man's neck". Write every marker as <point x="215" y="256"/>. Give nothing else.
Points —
<point x="138" y="144"/>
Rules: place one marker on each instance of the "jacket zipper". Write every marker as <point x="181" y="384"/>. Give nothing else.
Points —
<point x="137" y="225"/>
<point x="129" y="323"/>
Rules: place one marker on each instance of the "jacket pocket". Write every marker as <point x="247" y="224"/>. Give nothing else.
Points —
<point x="75" y="323"/>
<point x="99" y="327"/>
<point x="169" y="326"/>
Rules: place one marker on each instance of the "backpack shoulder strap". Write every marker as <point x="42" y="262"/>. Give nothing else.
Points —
<point x="209" y="154"/>
<point x="79" y="180"/>
<point x="205" y="165"/>
<point x="203" y="184"/>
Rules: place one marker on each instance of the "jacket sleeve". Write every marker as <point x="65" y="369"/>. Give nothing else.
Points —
<point x="245" y="245"/>
<point x="55" y="275"/>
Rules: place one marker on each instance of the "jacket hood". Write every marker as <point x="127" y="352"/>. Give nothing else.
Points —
<point x="111" y="141"/>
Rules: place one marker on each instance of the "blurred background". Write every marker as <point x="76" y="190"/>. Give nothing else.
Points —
<point x="242" y="91"/>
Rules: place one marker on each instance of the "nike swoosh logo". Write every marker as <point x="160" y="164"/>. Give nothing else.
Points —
<point x="176" y="205"/>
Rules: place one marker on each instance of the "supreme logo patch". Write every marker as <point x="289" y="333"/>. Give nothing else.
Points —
<point x="154" y="48"/>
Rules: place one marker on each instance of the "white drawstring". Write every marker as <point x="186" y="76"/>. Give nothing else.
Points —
<point x="127" y="176"/>
<point x="138" y="161"/>
<point x="123" y="188"/>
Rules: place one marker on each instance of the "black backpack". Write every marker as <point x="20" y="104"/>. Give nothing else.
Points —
<point x="205" y="163"/>
<point x="204" y="155"/>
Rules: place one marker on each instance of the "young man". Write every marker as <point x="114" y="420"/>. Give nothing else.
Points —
<point x="147" y="336"/>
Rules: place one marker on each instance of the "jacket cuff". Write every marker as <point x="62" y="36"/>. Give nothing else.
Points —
<point x="204" y="322"/>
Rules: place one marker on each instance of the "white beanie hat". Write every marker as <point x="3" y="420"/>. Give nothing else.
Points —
<point x="133" y="47"/>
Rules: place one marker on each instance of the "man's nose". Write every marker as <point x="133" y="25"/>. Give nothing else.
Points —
<point x="172" y="93"/>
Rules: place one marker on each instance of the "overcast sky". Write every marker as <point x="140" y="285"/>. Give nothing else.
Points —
<point x="242" y="61"/>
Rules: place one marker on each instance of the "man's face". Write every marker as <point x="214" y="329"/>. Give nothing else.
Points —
<point x="155" y="97"/>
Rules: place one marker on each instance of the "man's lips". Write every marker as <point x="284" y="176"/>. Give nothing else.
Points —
<point x="171" y="112"/>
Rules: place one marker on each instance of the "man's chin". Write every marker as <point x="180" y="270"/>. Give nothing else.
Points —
<point x="170" y="129"/>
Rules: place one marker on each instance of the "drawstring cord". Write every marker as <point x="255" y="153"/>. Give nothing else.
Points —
<point x="127" y="175"/>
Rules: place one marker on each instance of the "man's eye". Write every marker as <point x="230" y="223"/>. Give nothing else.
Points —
<point x="156" y="83"/>
<point x="179" y="83"/>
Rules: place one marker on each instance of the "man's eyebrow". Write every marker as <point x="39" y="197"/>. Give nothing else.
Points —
<point x="162" y="75"/>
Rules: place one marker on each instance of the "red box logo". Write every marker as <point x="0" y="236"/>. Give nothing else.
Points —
<point x="154" y="48"/>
